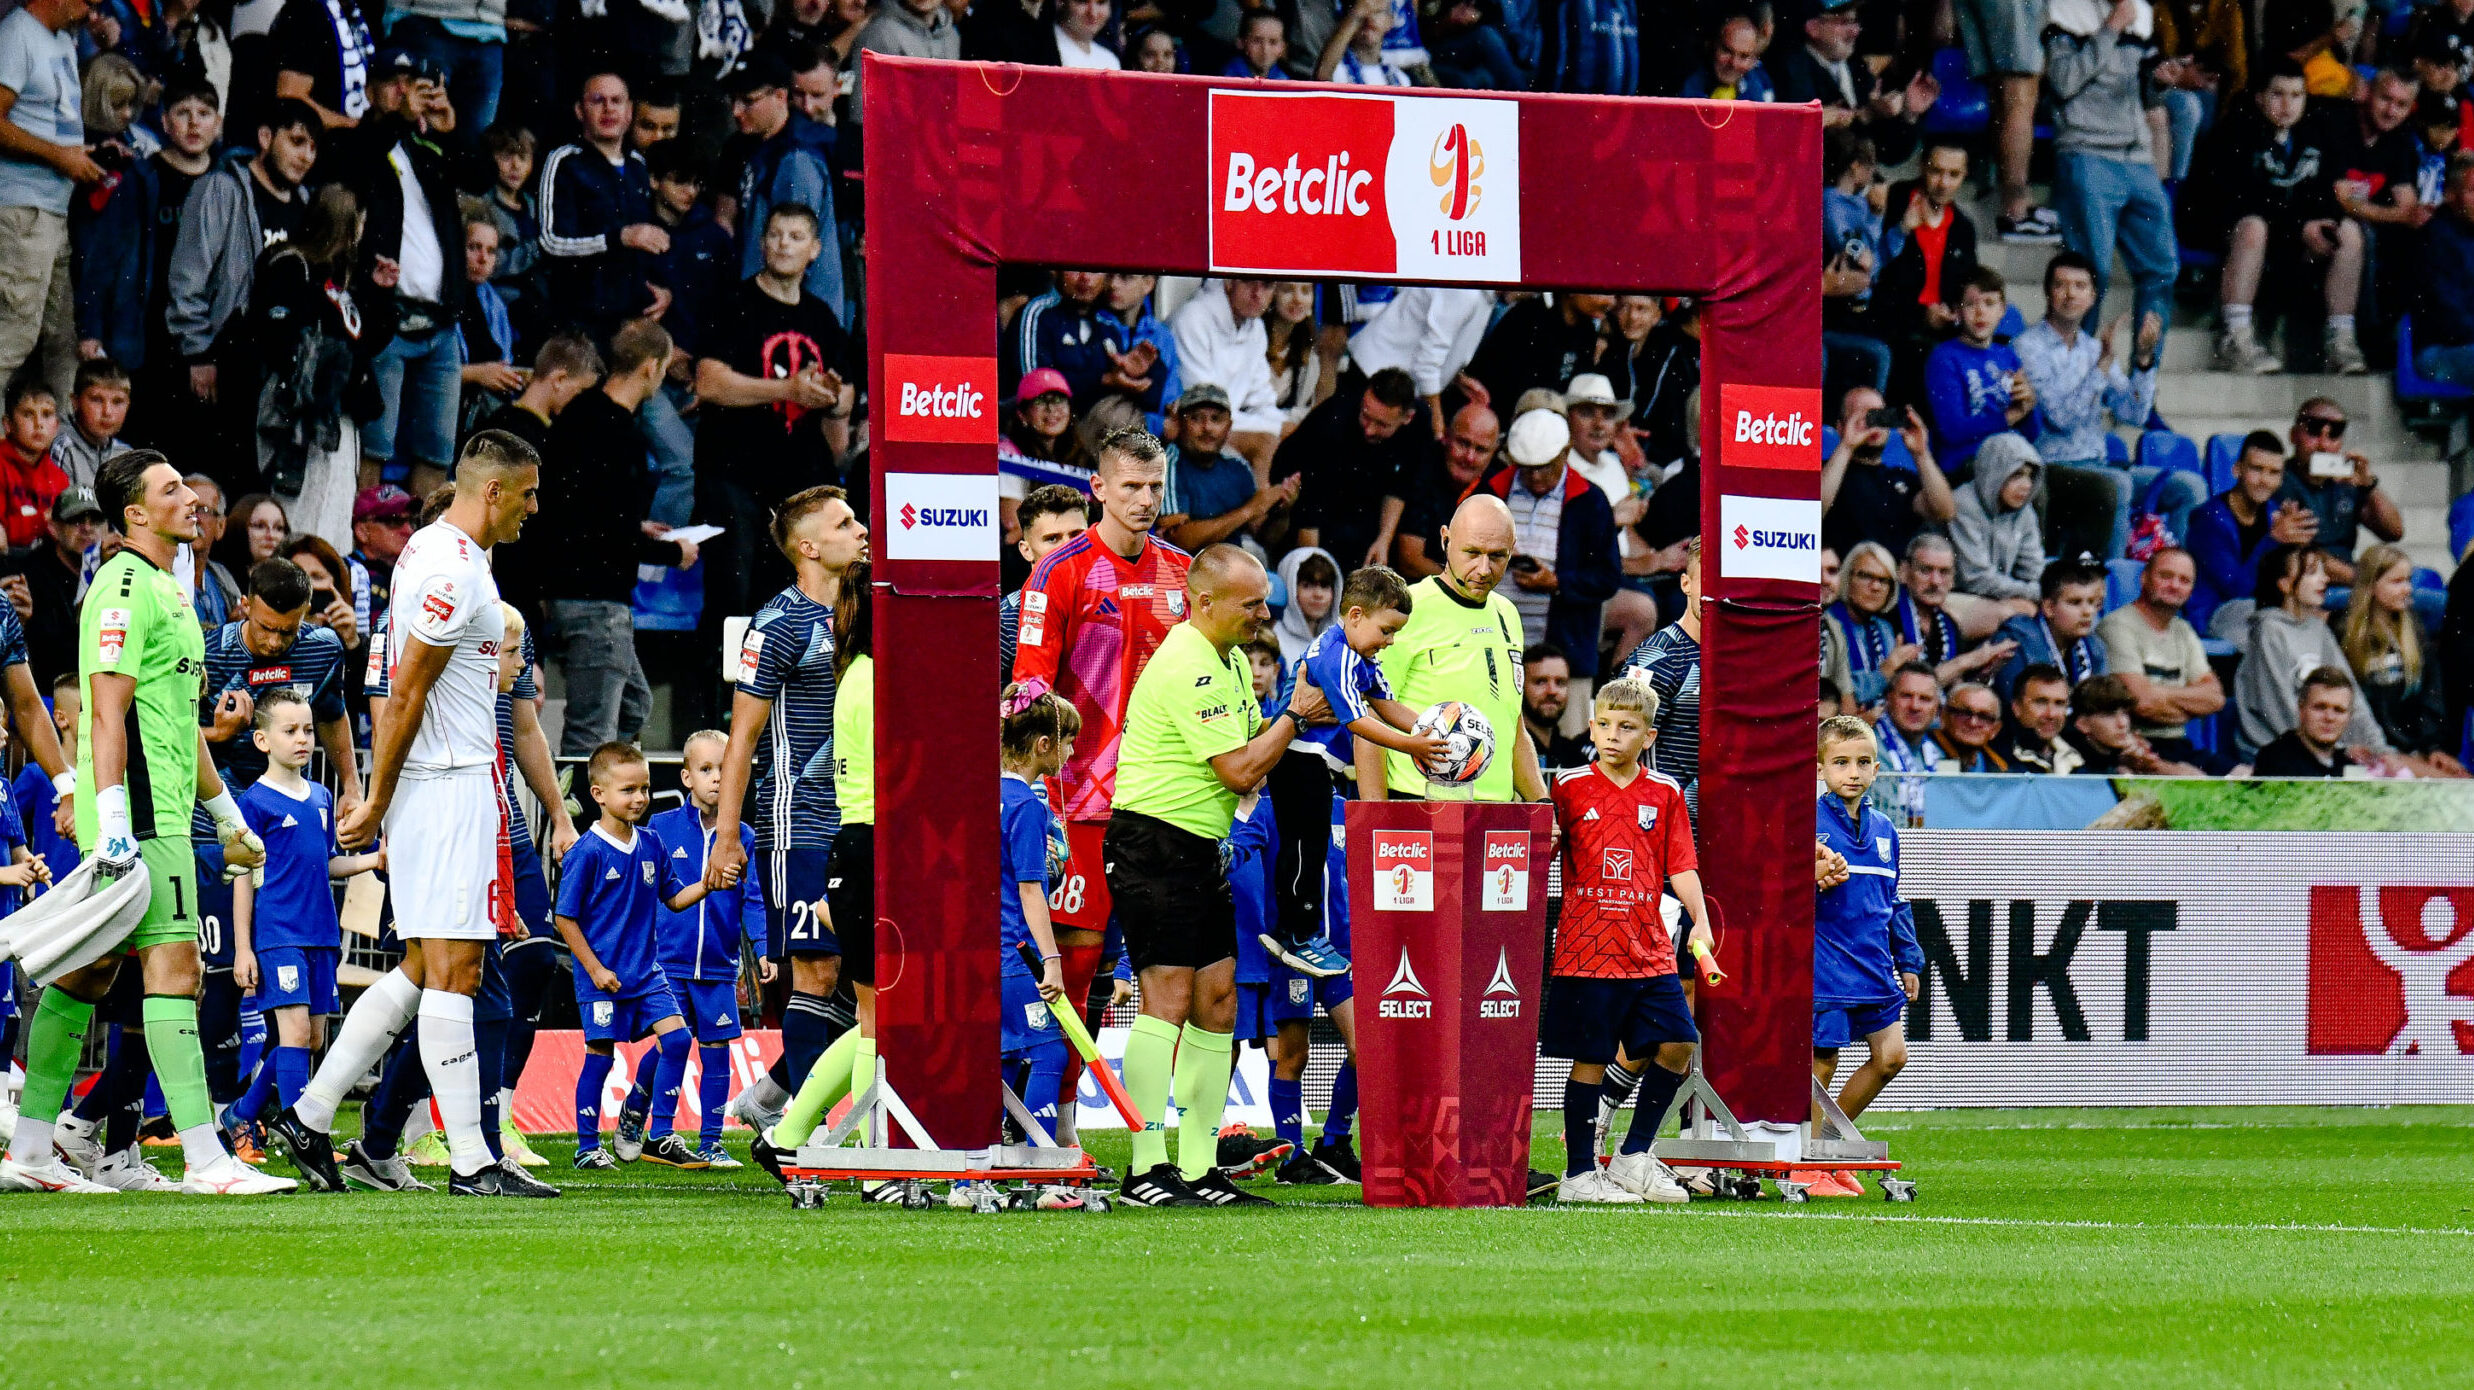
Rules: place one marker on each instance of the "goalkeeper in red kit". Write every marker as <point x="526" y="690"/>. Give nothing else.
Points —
<point x="1614" y="1003"/>
<point x="1093" y="612"/>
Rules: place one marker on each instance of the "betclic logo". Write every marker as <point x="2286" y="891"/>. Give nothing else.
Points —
<point x="1316" y="183"/>
<point x="940" y="400"/>
<point x="1769" y="427"/>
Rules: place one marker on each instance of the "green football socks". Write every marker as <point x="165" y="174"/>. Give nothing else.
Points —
<point x="827" y="1082"/>
<point x="55" y="1041"/>
<point x="1150" y="1053"/>
<point x="1203" y="1064"/>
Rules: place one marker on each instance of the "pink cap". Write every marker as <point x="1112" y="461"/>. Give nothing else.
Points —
<point x="1039" y="382"/>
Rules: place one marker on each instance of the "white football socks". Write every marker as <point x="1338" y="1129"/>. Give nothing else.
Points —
<point x="32" y="1143"/>
<point x="453" y="1062"/>
<point x="376" y="1021"/>
<point x="201" y="1148"/>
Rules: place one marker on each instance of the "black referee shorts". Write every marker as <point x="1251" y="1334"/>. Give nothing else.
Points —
<point x="1172" y="896"/>
<point x="850" y="891"/>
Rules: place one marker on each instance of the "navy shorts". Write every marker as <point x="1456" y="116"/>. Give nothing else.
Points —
<point x="214" y="907"/>
<point x="794" y="882"/>
<point x="1837" y="1026"/>
<point x="628" y="1017"/>
<point x="1025" y="1025"/>
<point x="297" y="977"/>
<point x="710" y="1006"/>
<point x="532" y="894"/>
<point x="494" y="1002"/>
<point x="1587" y="1019"/>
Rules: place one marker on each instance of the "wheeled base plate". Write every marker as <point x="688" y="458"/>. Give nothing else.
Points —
<point x="902" y="1176"/>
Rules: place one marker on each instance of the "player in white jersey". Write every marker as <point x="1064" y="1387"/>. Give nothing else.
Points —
<point x="433" y="786"/>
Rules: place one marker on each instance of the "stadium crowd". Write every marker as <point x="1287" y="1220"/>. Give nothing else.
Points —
<point x="311" y="250"/>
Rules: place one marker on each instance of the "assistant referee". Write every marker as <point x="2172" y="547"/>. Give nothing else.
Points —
<point x="1194" y="744"/>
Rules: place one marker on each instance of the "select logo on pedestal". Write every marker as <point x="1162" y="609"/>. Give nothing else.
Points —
<point x="939" y="400"/>
<point x="1769" y="538"/>
<point x="1507" y="872"/>
<point x="940" y="516"/>
<point x="1316" y="183"/>
<point x="1769" y="427"/>
<point x="1404" y="870"/>
<point x="1404" y="997"/>
<point x="1502" y="996"/>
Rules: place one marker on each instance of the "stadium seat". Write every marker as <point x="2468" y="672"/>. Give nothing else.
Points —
<point x="2012" y="325"/>
<point x="2122" y="582"/>
<point x="2117" y="453"/>
<point x="2413" y="385"/>
<point x="1964" y="107"/>
<point x="2224" y="450"/>
<point x="1829" y="442"/>
<point x="2162" y="448"/>
<point x="2461" y="525"/>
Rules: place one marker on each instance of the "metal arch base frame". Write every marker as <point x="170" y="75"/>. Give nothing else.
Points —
<point x="1713" y="1138"/>
<point x="824" y="1158"/>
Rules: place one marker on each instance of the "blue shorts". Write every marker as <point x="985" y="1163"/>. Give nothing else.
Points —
<point x="1587" y="1019"/>
<point x="1290" y="997"/>
<point x="532" y="894"/>
<point x="1837" y="1025"/>
<point x="626" y="1018"/>
<point x="1025" y="1025"/>
<point x="711" y="1007"/>
<point x="8" y="989"/>
<point x="794" y="882"/>
<point x="493" y="1002"/>
<point x="297" y="977"/>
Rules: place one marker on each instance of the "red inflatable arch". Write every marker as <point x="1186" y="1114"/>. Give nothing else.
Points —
<point x="970" y="166"/>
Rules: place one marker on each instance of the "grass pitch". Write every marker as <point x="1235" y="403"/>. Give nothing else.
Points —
<point x="2048" y="1248"/>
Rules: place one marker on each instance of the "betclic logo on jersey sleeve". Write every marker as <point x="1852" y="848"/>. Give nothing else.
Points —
<point x="1319" y="184"/>
<point x="940" y="400"/>
<point x="1404" y="871"/>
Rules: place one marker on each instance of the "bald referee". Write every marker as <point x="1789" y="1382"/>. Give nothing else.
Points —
<point x="1194" y="743"/>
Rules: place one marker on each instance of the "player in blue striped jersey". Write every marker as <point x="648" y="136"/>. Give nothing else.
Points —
<point x="777" y="777"/>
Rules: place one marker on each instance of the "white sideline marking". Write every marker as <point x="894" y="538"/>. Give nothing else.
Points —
<point x="2228" y="1227"/>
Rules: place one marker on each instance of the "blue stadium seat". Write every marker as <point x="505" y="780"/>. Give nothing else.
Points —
<point x="2117" y="453"/>
<point x="2413" y="385"/>
<point x="1964" y="107"/>
<point x="2224" y="451"/>
<point x="1829" y="442"/>
<point x="2012" y="325"/>
<point x="2460" y="526"/>
<point x="2122" y="582"/>
<point x="2162" y="448"/>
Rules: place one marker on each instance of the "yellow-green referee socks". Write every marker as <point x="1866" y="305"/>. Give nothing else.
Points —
<point x="827" y="1082"/>
<point x="1150" y="1054"/>
<point x="1203" y="1064"/>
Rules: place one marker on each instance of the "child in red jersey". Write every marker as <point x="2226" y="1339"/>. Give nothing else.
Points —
<point x="1615" y="1004"/>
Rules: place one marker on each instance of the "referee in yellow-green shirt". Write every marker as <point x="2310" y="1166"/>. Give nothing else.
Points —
<point x="1194" y="742"/>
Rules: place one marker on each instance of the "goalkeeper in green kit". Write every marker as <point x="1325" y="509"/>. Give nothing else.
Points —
<point x="142" y="769"/>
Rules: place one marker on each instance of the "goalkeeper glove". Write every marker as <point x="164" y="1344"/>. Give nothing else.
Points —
<point x="115" y="841"/>
<point x="233" y="831"/>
